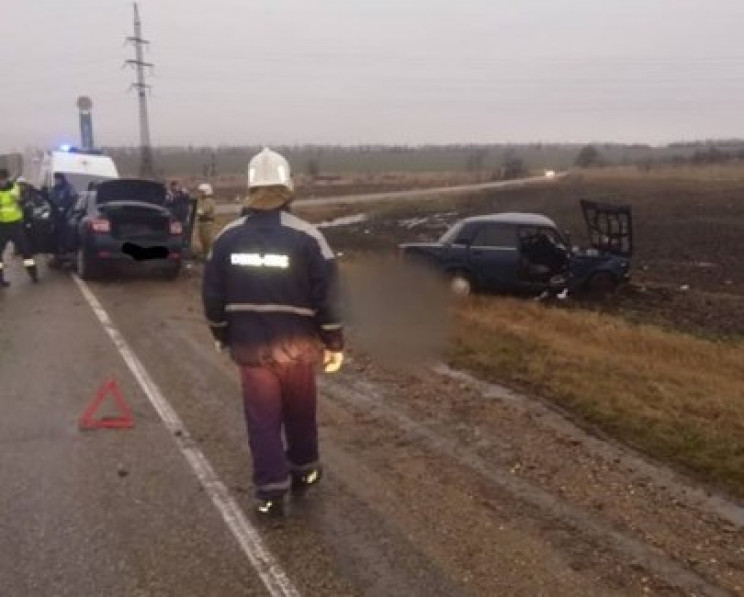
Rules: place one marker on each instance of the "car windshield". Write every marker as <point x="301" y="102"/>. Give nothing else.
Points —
<point x="81" y="182"/>
<point x="450" y="236"/>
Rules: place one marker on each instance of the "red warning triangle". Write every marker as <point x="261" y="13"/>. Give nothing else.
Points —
<point x="124" y="420"/>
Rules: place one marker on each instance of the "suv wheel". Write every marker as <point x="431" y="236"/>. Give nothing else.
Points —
<point x="85" y="265"/>
<point x="460" y="284"/>
<point x="172" y="271"/>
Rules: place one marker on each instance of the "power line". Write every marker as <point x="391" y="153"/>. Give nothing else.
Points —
<point x="147" y="169"/>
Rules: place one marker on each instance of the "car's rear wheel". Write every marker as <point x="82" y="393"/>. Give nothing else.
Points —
<point x="172" y="271"/>
<point x="86" y="267"/>
<point x="460" y="284"/>
<point x="601" y="284"/>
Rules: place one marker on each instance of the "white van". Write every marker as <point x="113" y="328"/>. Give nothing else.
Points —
<point x="79" y="167"/>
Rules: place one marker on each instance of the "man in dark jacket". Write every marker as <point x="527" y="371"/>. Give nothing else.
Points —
<point x="270" y="294"/>
<point x="178" y="202"/>
<point x="62" y="197"/>
<point x="38" y="224"/>
<point x="63" y="194"/>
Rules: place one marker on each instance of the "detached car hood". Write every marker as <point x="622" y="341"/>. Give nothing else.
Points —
<point x="610" y="227"/>
<point x="131" y="190"/>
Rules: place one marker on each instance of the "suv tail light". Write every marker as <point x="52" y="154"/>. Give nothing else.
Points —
<point x="176" y="228"/>
<point x="100" y="225"/>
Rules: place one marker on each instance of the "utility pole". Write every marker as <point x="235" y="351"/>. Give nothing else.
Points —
<point x="147" y="169"/>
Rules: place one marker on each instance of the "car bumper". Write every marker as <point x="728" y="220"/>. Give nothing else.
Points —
<point x="122" y="252"/>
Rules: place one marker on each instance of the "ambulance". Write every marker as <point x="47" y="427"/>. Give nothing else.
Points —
<point x="83" y="169"/>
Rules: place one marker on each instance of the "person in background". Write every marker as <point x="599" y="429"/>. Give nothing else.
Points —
<point x="11" y="227"/>
<point x="63" y="197"/>
<point x="30" y="199"/>
<point x="38" y="218"/>
<point x="205" y="212"/>
<point x="63" y="194"/>
<point x="179" y="203"/>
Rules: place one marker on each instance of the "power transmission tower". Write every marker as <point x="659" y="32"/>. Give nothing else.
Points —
<point x="147" y="169"/>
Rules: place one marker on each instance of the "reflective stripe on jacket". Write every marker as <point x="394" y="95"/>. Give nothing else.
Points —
<point x="10" y="205"/>
<point x="270" y="290"/>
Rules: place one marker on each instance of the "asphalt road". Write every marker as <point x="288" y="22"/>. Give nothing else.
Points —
<point x="436" y="484"/>
<point x="414" y="195"/>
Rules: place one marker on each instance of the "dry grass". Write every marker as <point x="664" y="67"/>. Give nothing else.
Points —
<point x="674" y="396"/>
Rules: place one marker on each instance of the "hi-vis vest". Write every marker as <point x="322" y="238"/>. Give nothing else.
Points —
<point x="10" y="208"/>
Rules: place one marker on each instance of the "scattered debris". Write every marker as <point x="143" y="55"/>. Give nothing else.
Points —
<point x="433" y="221"/>
<point x="344" y="221"/>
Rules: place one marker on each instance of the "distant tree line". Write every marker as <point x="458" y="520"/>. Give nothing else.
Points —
<point x="495" y="161"/>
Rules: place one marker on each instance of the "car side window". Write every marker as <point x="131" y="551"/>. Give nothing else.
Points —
<point x="464" y="235"/>
<point x="501" y="237"/>
<point x="528" y="235"/>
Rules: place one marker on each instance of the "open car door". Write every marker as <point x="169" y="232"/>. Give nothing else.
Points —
<point x="610" y="227"/>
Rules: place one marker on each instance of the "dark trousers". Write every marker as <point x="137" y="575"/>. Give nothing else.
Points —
<point x="280" y="398"/>
<point x="15" y="233"/>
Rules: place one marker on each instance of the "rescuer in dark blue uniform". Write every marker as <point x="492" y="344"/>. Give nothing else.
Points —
<point x="270" y="294"/>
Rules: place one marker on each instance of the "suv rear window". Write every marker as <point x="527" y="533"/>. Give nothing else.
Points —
<point x="131" y="190"/>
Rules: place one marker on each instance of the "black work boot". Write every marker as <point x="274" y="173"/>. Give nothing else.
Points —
<point x="3" y="282"/>
<point x="273" y="508"/>
<point x="303" y="481"/>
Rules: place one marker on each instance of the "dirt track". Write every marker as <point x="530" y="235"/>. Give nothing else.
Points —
<point x="436" y="485"/>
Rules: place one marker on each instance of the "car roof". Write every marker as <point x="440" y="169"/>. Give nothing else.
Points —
<point x="83" y="163"/>
<point x="523" y="219"/>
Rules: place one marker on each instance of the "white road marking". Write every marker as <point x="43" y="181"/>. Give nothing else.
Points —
<point x="271" y="573"/>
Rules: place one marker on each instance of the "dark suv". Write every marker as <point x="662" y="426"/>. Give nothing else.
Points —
<point x="522" y="252"/>
<point x="124" y="221"/>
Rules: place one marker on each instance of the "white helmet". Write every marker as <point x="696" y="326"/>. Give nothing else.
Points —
<point x="21" y="180"/>
<point x="205" y="188"/>
<point x="268" y="169"/>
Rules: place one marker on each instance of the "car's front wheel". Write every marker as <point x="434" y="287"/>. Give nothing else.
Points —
<point x="86" y="267"/>
<point x="460" y="284"/>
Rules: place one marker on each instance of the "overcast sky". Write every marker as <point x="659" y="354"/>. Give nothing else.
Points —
<point x="378" y="71"/>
